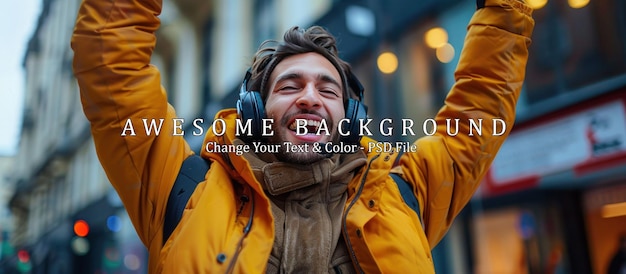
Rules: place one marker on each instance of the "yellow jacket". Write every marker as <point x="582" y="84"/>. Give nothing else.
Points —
<point x="113" y="41"/>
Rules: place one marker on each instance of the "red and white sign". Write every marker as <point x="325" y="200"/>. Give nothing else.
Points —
<point x="572" y="142"/>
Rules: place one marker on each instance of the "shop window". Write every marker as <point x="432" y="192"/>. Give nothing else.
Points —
<point x="574" y="47"/>
<point x="605" y="216"/>
<point x="518" y="240"/>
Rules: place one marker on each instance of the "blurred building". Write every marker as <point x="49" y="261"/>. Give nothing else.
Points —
<point x="66" y="216"/>
<point x="553" y="199"/>
<point x="6" y="224"/>
<point x="6" y="190"/>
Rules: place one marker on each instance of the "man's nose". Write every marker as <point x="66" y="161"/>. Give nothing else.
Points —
<point x="309" y="98"/>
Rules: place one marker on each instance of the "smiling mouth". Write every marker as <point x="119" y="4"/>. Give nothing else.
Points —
<point x="310" y="125"/>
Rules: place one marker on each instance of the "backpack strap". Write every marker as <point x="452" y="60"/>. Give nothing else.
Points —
<point x="406" y="191"/>
<point x="407" y="194"/>
<point x="191" y="173"/>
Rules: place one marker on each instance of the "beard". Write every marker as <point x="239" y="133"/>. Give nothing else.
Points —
<point x="303" y="158"/>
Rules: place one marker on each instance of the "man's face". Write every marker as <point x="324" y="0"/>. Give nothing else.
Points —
<point x="305" y="87"/>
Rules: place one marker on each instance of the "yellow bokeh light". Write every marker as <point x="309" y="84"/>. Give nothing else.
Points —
<point x="387" y="62"/>
<point x="445" y="53"/>
<point x="536" y="4"/>
<point x="577" y="4"/>
<point x="436" y="37"/>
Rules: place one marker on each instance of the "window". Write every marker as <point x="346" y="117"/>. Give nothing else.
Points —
<point x="265" y="21"/>
<point x="575" y="47"/>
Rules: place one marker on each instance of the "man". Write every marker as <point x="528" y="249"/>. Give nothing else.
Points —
<point x="296" y="211"/>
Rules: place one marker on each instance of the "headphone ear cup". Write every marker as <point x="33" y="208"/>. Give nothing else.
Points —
<point x="355" y="112"/>
<point x="250" y="107"/>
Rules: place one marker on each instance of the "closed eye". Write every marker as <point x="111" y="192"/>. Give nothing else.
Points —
<point x="329" y="92"/>
<point x="288" y="88"/>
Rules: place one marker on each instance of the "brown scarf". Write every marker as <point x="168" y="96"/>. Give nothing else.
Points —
<point x="307" y="204"/>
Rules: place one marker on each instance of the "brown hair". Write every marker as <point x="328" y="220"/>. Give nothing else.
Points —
<point x="295" y="41"/>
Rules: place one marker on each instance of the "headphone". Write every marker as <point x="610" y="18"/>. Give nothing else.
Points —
<point x="250" y="106"/>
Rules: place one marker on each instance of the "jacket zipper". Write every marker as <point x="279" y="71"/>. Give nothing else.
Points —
<point x="246" y="229"/>
<point x="345" y="216"/>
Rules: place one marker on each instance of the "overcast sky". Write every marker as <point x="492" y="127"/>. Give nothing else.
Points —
<point x="17" y="25"/>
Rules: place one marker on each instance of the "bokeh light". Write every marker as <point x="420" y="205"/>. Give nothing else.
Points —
<point x="445" y="53"/>
<point x="387" y="62"/>
<point x="436" y="37"/>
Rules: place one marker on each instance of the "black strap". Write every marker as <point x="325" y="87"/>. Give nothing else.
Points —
<point x="406" y="191"/>
<point x="407" y="194"/>
<point x="191" y="173"/>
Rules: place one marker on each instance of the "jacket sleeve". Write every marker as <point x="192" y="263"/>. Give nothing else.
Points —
<point x="446" y="169"/>
<point x="112" y="43"/>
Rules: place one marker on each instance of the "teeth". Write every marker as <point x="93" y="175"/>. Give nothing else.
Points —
<point x="309" y="123"/>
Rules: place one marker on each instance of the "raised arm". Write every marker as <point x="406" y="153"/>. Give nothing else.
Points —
<point x="489" y="79"/>
<point x="112" y="43"/>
